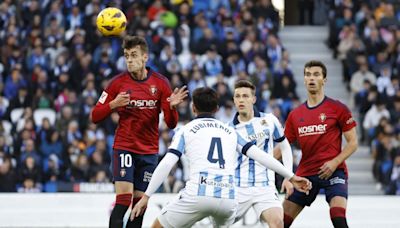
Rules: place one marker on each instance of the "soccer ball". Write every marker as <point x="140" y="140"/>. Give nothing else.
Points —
<point x="111" y="21"/>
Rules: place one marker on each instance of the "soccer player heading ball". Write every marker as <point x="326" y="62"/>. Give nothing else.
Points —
<point x="138" y="95"/>
<point x="317" y="126"/>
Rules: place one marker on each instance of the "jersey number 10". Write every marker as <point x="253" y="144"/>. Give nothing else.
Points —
<point x="216" y="142"/>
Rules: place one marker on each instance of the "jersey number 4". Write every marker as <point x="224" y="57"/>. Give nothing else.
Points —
<point x="216" y="142"/>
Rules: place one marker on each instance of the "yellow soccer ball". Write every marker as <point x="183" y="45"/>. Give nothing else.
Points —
<point x="111" y="21"/>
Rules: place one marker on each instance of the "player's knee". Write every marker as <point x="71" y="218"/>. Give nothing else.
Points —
<point x="276" y="222"/>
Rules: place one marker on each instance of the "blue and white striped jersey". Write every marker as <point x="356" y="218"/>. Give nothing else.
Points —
<point x="212" y="149"/>
<point x="262" y="130"/>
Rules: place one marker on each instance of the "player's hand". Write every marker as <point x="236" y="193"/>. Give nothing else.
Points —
<point x="287" y="187"/>
<point x="178" y="96"/>
<point x="301" y="184"/>
<point x="121" y="100"/>
<point x="327" y="169"/>
<point x="140" y="207"/>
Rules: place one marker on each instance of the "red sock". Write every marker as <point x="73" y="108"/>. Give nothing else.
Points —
<point x="338" y="217"/>
<point x="124" y="199"/>
<point x="336" y="212"/>
<point x="287" y="220"/>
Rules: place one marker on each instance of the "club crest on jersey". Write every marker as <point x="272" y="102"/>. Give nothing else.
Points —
<point x="322" y="117"/>
<point x="122" y="173"/>
<point x="264" y="123"/>
<point x="153" y="90"/>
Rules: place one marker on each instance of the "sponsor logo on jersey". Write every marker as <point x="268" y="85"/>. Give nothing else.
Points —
<point x="259" y="135"/>
<point x="315" y="129"/>
<point x="103" y="97"/>
<point x="142" y="104"/>
<point x="210" y="182"/>
<point x="322" y="117"/>
<point x="153" y="90"/>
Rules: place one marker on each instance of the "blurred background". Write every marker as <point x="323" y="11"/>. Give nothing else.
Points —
<point x="54" y="64"/>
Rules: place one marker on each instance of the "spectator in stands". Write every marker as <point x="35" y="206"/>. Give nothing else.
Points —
<point x="30" y="176"/>
<point x="8" y="178"/>
<point x="373" y="116"/>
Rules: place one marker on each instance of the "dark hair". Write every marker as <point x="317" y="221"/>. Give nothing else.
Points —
<point x="133" y="41"/>
<point x="205" y="100"/>
<point x="246" y="84"/>
<point x="316" y="63"/>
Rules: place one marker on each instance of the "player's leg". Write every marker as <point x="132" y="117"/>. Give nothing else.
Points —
<point x="122" y="170"/>
<point x="294" y="204"/>
<point x="244" y="199"/>
<point x="291" y="210"/>
<point x="337" y="212"/>
<point x="336" y="195"/>
<point x="144" y="168"/>
<point x="268" y="206"/>
<point x="273" y="217"/>
<point x="156" y="224"/>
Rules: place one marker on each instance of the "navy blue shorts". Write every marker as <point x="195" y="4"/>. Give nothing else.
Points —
<point x="336" y="185"/>
<point x="134" y="168"/>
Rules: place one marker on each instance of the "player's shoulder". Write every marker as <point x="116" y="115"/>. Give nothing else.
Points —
<point x="117" y="78"/>
<point x="335" y="103"/>
<point x="157" y="76"/>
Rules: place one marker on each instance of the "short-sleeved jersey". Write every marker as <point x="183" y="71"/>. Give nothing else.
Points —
<point x="318" y="131"/>
<point x="137" y="130"/>
<point x="211" y="148"/>
<point x="262" y="130"/>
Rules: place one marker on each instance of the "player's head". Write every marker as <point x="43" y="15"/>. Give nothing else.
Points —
<point x="314" y="76"/>
<point x="205" y="100"/>
<point x="135" y="53"/>
<point x="244" y="96"/>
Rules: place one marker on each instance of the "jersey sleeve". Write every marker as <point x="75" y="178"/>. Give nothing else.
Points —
<point x="345" y="118"/>
<point x="177" y="146"/>
<point x="278" y="133"/>
<point x="170" y="115"/>
<point x="102" y="108"/>
<point x="290" y="132"/>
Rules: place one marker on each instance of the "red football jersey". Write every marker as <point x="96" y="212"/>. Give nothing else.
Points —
<point x="138" y="123"/>
<point x="318" y="131"/>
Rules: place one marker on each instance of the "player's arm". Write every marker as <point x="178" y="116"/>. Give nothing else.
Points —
<point x="351" y="146"/>
<point x="108" y="101"/>
<point x="253" y="152"/>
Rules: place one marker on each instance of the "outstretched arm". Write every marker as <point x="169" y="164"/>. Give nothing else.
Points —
<point x="300" y="183"/>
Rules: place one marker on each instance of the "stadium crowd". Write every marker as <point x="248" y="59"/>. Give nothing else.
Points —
<point x="55" y="63"/>
<point x="365" y="36"/>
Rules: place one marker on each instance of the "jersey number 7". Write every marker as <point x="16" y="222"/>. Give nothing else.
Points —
<point x="216" y="142"/>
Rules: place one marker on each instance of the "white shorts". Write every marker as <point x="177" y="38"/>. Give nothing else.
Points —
<point x="260" y="198"/>
<point x="186" y="210"/>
